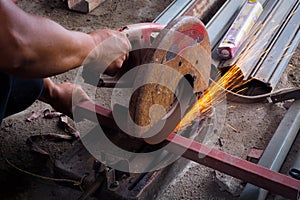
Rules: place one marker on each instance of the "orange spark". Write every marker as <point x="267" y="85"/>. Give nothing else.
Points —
<point x="212" y="96"/>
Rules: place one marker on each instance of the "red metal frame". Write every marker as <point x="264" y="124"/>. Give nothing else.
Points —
<point x="95" y="113"/>
<point x="237" y="167"/>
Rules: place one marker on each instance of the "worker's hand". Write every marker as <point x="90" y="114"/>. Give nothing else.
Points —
<point x="111" y="51"/>
<point x="62" y="97"/>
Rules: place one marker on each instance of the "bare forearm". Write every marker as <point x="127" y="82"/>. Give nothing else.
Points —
<point x="40" y="47"/>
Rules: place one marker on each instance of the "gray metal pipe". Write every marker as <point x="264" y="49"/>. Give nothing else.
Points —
<point x="277" y="149"/>
<point x="295" y="170"/>
<point x="173" y="11"/>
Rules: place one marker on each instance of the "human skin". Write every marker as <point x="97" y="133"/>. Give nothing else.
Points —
<point x="37" y="47"/>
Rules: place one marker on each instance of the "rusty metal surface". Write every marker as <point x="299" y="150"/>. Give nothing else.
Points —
<point x="181" y="50"/>
<point x="84" y="6"/>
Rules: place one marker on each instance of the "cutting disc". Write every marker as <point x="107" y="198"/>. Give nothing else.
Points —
<point x="178" y="65"/>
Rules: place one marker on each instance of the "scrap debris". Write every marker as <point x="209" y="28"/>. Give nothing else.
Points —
<point x="63" y="123"/>
<point x="230" y="126"/>
<point x="45" y="112"/>
<point x="83" y="6"/>
<point x="254" y="155"/>
<point x="36" y="115"/>
<point x="51" y="114"/>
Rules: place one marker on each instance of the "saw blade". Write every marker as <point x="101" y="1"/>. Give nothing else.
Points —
<point x="180" y="52"/>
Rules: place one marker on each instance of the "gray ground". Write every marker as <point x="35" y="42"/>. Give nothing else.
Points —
<point x="246" y="126"/>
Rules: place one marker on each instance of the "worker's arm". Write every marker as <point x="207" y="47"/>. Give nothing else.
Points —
<point x="35" y="47"/>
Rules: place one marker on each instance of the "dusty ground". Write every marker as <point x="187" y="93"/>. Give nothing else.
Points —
<point x="246" y="126"/>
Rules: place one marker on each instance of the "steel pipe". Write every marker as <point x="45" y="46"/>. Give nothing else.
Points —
<point x="277" y="149"/>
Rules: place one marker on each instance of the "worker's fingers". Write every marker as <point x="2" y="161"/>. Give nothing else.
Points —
<point x="119" y="39"/>
<point x="127" y="41"/>
<point x="113" y="68"/>
<point x="111" y="51"/>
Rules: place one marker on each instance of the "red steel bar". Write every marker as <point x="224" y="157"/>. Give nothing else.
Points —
<point x="237" y="167"/>
<point x="93" y="112"/>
